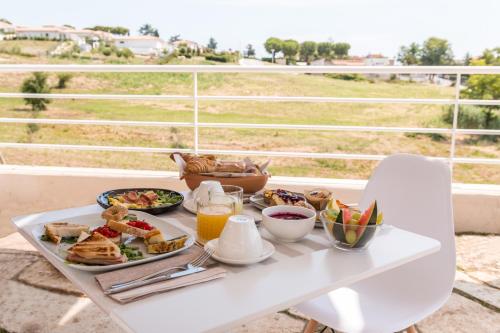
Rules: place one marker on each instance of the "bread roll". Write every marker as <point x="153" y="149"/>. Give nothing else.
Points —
<point x="227" y="166"/>
<point x="200" y="165"/>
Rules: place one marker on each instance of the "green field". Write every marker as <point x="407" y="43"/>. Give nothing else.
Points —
<point x="243" y="112"/>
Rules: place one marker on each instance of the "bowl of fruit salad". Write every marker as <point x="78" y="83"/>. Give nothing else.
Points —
<point x="348" y="228"/>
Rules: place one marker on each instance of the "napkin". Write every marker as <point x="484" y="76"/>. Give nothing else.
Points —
<point x="106" y="280"/>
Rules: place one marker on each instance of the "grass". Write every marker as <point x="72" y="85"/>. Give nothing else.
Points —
<point x="242" y="112"/>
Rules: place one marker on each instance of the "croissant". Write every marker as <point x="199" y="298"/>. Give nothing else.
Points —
<point x="200" y="165"/>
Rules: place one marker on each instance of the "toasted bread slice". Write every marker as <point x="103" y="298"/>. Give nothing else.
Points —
<point x="153" y="237"/>
<point x="57" y="230"/>
<point x="122" y="226"/>
<point x="97" y="250"/>
<point x="166" y="246"/>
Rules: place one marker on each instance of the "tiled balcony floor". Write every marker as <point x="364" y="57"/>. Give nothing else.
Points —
<point x="35" y="298"/>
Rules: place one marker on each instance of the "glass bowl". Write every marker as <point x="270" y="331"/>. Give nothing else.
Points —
<point x="348" y="237"/>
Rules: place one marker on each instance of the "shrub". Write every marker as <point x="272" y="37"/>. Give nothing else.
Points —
<point x="219" y="57"/>
<point x="127" y="53"/>
<point x="470" y="116"/>
<point x="346" y="77"/>
<point x="63" y="79"/>
<point x="107" y="51"/>
<point x="37" y="84"/>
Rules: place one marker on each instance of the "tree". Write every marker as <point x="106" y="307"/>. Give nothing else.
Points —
<point x="486" y="86"/>
<point x="5" y="21"/>
<point x="341" y="50"/>
<point x="212" y="44"/>
<point x="63" y="79"/>
<point x="273" y="45"/>
<point x="250" y="51"/>
<point x="290" y="48"/>
<point x="436" y="51"/>
<point x="148" y="30"/>
<point x="114" y="30"/>
<point x="69" y="26"/>
<point x="410" y="55"/>
<point x="37" y="84"/>
<point x="325" y="49"/>
<point x="307" y="50"/>
<point x="174" y="38"/>
<point x="467" y="59"/>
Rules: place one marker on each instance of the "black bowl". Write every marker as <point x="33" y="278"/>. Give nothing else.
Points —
<point x="102" y="200"/>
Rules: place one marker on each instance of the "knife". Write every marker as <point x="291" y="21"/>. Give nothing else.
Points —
<point x="154" y="280"/>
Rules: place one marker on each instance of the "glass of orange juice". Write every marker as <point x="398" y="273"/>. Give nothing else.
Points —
<point x="236" y="192"/>
<point x="212" y="215"/>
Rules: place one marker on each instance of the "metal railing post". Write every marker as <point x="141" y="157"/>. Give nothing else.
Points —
<point x="195" y="100"/>
<point x="455" y="120"/>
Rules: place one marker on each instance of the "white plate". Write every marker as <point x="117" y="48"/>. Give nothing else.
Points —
<point x="190" y="206"/>
<point x="267" y="251"/>
<point x="94" y="220"/>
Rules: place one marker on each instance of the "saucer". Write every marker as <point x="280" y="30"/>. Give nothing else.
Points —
<point x="267" y="251"/>
<point x="190" y="206"/>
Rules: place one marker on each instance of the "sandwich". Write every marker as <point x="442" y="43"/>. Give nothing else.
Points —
<point x="112" y="235"/>
<point x="135" y="228"/>
<point x="155" y="243"/>
<point x="56" y="231"/>
<point x="96" y="249"/>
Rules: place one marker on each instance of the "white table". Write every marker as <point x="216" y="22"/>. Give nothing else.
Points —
<point x="295" y="273"/>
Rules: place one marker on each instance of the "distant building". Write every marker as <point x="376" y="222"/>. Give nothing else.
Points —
<point x="353" y="61"/>
<point x="6" y="28"/>
<point x="188" y="43"/>
<point x="378" y="60"/>
<point x="45" y="32"/>
<point x="93" y="35"/>
<point x="142" y="45"/>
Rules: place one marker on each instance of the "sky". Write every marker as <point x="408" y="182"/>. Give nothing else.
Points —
<point x="370" y="26"/>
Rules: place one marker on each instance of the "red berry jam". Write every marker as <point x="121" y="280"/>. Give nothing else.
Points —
<point x="141" y="225"/>
<point x="288" y="216"/>
<point x="107" y="232"/>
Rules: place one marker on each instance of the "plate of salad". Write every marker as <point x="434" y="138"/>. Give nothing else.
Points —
<point x="153" y="201"/>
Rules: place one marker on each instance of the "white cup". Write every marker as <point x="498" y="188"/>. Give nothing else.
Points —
<point x="240" y="239"/>
<point x="206" y="188"/>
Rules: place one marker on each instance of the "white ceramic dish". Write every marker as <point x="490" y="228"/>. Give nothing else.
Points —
<point x="94" y="220"/>
<point x="258" y="202"/>
<point x="288" y="230"/>
<point x="190" y="206"/>
<point x="267" y="251"/>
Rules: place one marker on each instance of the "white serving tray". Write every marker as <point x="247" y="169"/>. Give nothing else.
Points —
<point x="94" y="220"/>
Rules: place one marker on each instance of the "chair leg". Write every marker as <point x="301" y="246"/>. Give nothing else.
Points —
<point x="411" y="329"/>
<point x="311" y="326"/>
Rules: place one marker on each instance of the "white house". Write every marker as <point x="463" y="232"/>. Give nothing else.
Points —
<point x="188" y="43"/>
<point x="45" y="32"/>
<point x="6" y="28"/>
<point x="378" y="60"/>
<point x="142" y="45"/>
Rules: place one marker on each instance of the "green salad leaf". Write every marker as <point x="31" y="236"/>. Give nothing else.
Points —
<point x="131" y="252"/>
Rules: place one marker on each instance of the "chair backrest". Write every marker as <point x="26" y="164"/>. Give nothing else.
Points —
<point x="414" y="193"/>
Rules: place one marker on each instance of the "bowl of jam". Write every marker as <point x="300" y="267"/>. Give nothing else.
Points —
<point x="288" y="223"/>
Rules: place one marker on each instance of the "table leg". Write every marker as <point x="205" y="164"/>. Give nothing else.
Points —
<point x="311" y="326"/>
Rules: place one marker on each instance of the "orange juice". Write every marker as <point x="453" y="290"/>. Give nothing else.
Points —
<point x="211" y="220"/>
<point x="238" y="207"/>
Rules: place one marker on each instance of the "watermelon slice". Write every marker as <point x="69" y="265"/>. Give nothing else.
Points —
<point x="363" y="233"/>
<point x="339" y="227"/>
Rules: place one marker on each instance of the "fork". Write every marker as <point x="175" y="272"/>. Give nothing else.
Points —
<point x="195" y="263"/>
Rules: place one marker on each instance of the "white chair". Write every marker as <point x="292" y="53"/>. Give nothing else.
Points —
<point x="414" y="193"/>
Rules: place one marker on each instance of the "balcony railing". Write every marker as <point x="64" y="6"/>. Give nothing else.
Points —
<point x="456" y="102"/>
